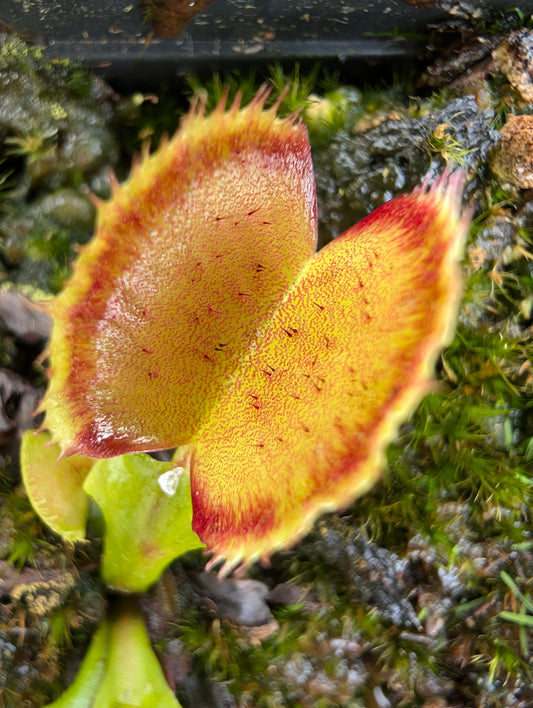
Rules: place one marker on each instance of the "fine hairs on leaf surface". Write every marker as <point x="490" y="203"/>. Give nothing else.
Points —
<point x="200" y="316"/>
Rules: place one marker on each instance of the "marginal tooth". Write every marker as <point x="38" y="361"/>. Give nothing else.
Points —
<point x="113" y="181"/>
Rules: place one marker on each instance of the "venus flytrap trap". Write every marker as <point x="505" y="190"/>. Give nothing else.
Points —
<point x="201" y="318"/>
<point x="55" y="486"/>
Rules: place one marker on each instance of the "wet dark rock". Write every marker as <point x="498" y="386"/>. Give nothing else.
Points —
<point x="460" y="52"/>
<point x="241" y="600"/>
<point x="514" y="58"/>
<point x="202" y="693"/>
<point x="356" y="174"/>
<point x="492" y="241"/>
<point x="23" y="319"/>
<point x="18" y="400"/>
<point x="68" y="209"/>
<point x="51" y="224"/>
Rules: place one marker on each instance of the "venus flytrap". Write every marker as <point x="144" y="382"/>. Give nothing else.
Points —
<point x="55" y="486"/>
<point x="201" y="318"/>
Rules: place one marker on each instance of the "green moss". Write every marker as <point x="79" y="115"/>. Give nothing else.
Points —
<point x="55" y="122"/>
<point x="443" y="142"/>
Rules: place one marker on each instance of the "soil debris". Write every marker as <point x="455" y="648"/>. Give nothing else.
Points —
<point x="512" y="160"/>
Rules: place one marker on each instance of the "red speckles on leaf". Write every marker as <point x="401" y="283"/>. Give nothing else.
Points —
<point x="196" y="249"/>
<point x="347" y="373"/>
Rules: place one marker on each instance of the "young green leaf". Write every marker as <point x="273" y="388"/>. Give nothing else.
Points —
<point x="148" y="520"/>
<point x="54" y="486"/>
